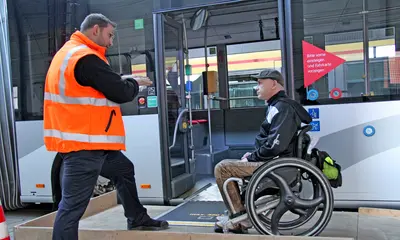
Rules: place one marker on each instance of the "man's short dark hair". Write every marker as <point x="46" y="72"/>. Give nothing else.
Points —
<point x="96" y="19"/>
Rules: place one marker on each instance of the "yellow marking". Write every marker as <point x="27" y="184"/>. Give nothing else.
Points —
<point x="193" y="224"/>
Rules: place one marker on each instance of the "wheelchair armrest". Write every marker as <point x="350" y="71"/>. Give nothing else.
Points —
<point x="300" y="138"/>
<point x="306" y="128"/>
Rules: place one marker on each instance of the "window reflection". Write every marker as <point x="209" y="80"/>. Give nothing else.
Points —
<point x="370" y="67"/>
<point x="245" y="60"/>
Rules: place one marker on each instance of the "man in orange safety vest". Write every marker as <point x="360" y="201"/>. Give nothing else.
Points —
<point x="83" y="123"/>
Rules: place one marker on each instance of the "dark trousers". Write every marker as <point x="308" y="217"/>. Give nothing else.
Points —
<point x="81" y="170"/>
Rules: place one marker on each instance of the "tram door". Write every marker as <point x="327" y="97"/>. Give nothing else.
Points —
<point x="172" y="103"/>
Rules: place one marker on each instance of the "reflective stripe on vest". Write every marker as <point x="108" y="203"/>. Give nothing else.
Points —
<point x="83" y="137"/>
<point x="64" y="64"/>
<point x="61" y="98"/>
<point x="79" y="100"/>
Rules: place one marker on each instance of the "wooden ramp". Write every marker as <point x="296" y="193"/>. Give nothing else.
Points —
<point x="104" y="220"/>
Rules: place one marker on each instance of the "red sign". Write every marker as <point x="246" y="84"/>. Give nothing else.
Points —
<point x="336" y="93"/>
<point x="317" y="62"/>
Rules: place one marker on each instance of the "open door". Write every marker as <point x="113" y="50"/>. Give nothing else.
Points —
<point x="179" y="174"/>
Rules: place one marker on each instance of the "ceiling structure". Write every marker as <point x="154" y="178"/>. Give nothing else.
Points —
<point x="233" y="23"/>
<point x="240" y="22"/>
<point x="229" y="23"/>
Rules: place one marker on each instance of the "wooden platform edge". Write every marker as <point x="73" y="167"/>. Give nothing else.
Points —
<point x="96" y="205"/>
<point x="379" y="212"/>
<point x="30" y="233"/>
<point x="42" y="227"/>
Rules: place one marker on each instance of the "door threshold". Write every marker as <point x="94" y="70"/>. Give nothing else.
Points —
<point x="180" y="200"/>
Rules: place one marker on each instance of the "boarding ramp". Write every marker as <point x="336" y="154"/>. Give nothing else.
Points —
<point x="200" y="210"/>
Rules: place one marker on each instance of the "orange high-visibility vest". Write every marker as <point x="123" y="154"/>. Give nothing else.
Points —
<point x="78" y="117"/>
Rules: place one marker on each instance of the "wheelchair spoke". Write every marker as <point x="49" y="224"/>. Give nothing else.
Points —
<point x="299" y="211"/>
<point x="282" y="184"/>
<point x="268" y="214"/>
<point x="280" y="210"/>
<point x="307" y="204"/>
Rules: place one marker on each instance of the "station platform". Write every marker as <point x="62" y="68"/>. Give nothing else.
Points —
<point x="194" y="219"/>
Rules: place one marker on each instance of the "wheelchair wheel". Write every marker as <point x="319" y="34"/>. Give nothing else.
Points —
<point x="304" y="216"/>
<point x="288" y="200"/>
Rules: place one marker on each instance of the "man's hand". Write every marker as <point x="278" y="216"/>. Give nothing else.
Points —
<point x="141" y="80"/>
<point x="246" y="155"/>
<point x="244" y="160"/>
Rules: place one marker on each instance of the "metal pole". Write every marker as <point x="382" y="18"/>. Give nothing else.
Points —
<point x="208" y="94"/>
<point x="189" y="96"/>
<point x="281" y="19"/>
<point x="289" y="46"/>
<point x="209" y="124"/>
<point x="191" y="124"/>
<point x="366" y="47"/>
<point x="182" y="94"/>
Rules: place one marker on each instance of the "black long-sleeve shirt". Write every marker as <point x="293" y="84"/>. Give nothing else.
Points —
<point x="278" y="130"/>
<point x="91" y="71"/>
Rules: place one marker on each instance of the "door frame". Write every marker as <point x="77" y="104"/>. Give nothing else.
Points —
<point x="285" y="32"/>
<point x="160" y="20"/>
<point x="199" y="5"/>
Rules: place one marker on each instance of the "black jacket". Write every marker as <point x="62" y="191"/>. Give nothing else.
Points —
<point x="91" y="71"/>
<point x="279" y="129"/>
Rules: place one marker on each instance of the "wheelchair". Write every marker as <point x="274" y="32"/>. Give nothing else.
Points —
<point x="274" y="189"/>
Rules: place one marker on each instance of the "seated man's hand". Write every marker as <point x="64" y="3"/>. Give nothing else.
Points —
<point x="244" y="160"/>
<point x="246" y="155"/>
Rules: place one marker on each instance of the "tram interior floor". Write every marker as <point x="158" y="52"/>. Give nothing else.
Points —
<point x="202" y="181"/>
<point x="342" y="224"/>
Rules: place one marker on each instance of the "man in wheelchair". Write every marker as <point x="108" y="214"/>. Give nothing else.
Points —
<point x="276" y="139"/>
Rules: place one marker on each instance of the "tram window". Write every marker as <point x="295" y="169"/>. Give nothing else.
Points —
<point x="197" y="61"/>
<point x="30" y="55"/>
<point x="139" y="65"/>
<point x="28" y="73"/>
<point x="384" y="63"/>
<point x="245" y="60"/>
<point x="340" y="31"/>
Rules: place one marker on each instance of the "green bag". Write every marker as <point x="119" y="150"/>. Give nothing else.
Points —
<point x="330" y="168"/>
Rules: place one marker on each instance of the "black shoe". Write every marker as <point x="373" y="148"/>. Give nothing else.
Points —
<point x="150" y="225"/>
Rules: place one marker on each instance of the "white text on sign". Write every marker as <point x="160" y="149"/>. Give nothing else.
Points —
<point x="315" y="62"/>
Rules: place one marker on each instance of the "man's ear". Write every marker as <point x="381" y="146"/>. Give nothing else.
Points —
<point x="275" y="84"/>
<point x="96" y="30"/>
